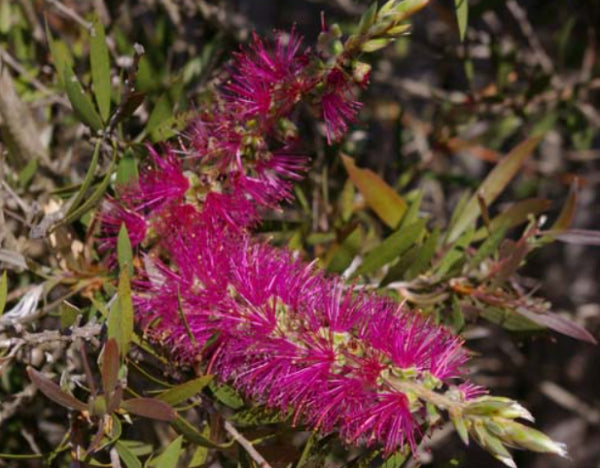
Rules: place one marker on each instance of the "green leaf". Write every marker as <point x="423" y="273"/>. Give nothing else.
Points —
<point x="61" y="56"/>
<point x="3" y="292"/>
<point x="368" y="18"/>
<point x="100" y="65"/>
<point x="462" y="15"/>
<point x="391" y="247"/>
<point x="383" y="199"/>
<point x="127" y="171"/>
<point x="27" y="173"/>
<point x="184" y="391"/>
<point x="120" y="317"/>
<point x="150" y="408"/>
<point x="199" y="457"/>
<point x="424" y="256"/>
<point x="81" y="102"/>
<point x="87" y="180"/>
<point x="489" y="246"/>
<point x="375" y="44"/>
<point x="170" y="457"/>
<point x="128" y="457"/>
<point x="96" y="195"/>
<point x="161" y="112"/>
<point x="227" y="395"/>
<point x="68" y="314"/>
<point x="5" y="16"/>
<point x="509" y="320"/>
<point x="124" y="250"/>
<point x="493" y="185"/>
<point x="340" y="256"/>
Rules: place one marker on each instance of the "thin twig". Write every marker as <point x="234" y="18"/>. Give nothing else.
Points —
<point x="245" y="443"/>
<point x="70" y="14"/>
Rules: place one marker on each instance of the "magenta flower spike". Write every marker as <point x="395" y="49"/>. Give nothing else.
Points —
<point x="281" y="332"/>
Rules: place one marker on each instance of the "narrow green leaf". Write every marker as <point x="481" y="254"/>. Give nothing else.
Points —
<point x="27" y="173"/>
<point x="184" y="391"/>
<point x="96" y="195"/>
<point x="424" y="256"/>
<point x="368" y="18"/>
<point x="87" y="180"/>
<point x="120" y="317"/>
<point x="162" y="112"/>
<point x="462" y="16"/>
<point x="100" y="65"/>
<point x="391" y="247"/>
<point x="375" y="44"/>
<point x="170" y="456"/>
<point x="3" y="292"/>
<point x="5" y="16"/>
<point x="81" y="102"/>
<point x="340" y="256"/>
<point x="493" y="185"/>
<point x="382" y="198"/>
<point x="128" y="457"/>
<point x="61" y="56"/>
<point x="489" y="246"/>
<point x="124" y="250"/>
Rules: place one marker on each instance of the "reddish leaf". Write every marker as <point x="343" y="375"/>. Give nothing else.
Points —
<point x="149" y="408"/>
<point x="54" y="392"/>
<point x="558" y="323"/>
<point x="110" y="366"/>
<point x="576" y="236"/>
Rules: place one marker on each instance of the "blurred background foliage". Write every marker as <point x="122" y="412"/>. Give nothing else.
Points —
<point x="84" y="85"/>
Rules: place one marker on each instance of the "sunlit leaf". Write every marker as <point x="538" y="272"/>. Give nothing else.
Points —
<point x="382" y="198"/>
<point x="576" y="236"/>
<point x="462" y="16"/>
<point x="3" y="292"/>
<point x="170" y="457"/>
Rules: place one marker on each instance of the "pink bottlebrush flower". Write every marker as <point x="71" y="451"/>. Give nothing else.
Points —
<point x="338" y="105"/>
<point x="113" y="216"/>
<point x="267" y="79"/>
<point x="294" y="340"/>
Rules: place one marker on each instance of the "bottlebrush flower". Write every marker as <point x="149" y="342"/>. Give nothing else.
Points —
<point x="338" y="104"/>
<point x="297" y="341"/>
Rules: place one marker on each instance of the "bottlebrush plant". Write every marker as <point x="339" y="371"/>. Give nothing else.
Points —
<point x="356" y="350"/>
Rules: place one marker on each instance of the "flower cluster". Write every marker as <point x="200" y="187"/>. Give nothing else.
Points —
<point x="280" y="331"/>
